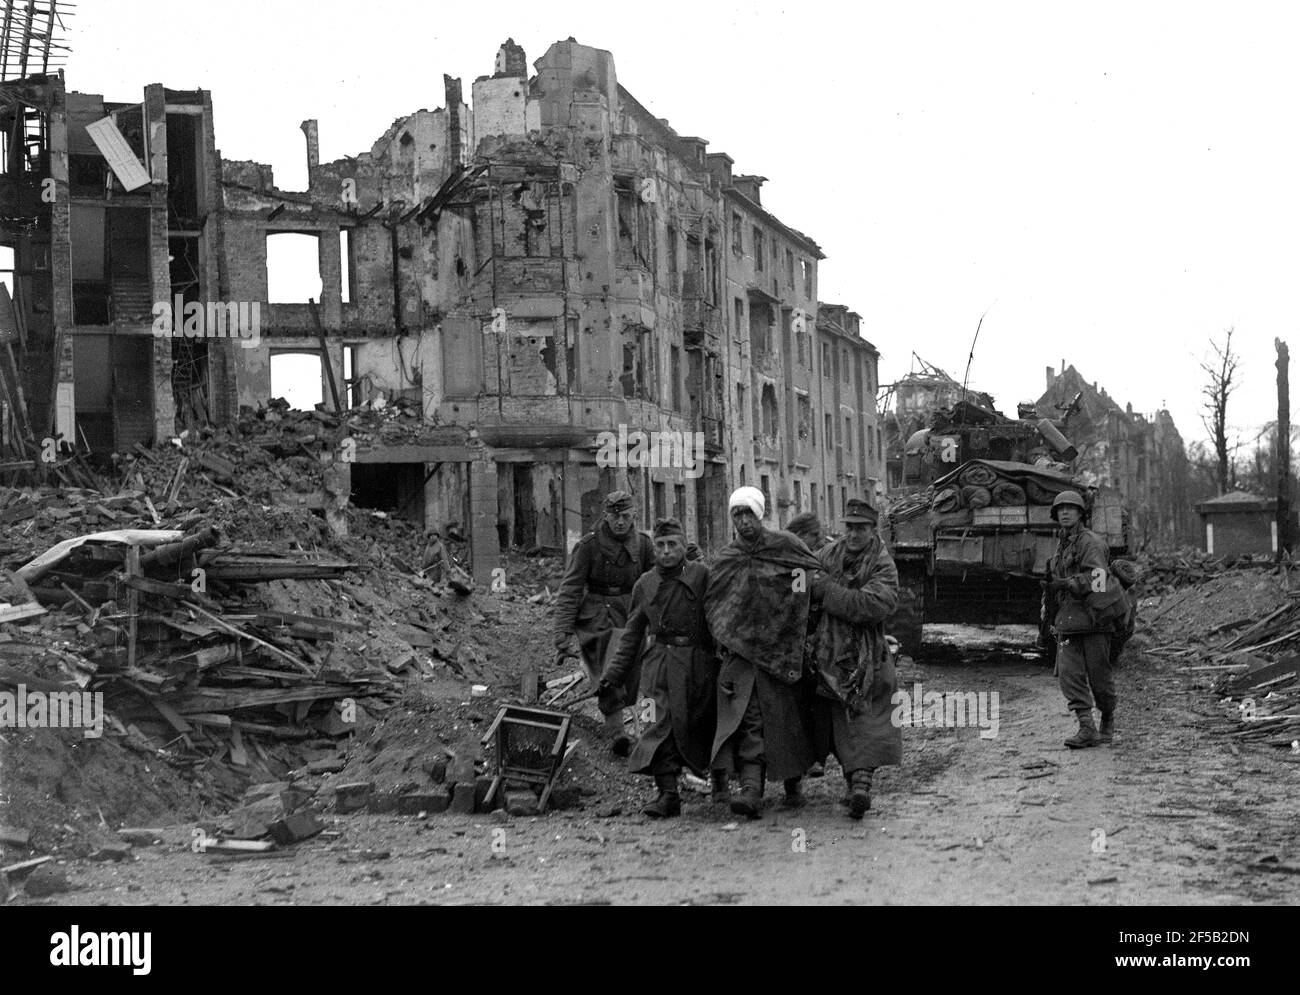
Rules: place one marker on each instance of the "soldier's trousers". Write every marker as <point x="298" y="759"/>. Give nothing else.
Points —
<point x="1085" y="673"/>
<point x="745" y="745"/>
<point x="667" y="759"/>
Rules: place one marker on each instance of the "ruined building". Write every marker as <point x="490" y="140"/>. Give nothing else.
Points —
<point x="1142" y="457"/>
<point x="569" y="295"/>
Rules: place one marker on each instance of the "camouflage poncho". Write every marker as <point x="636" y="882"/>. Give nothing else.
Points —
<point x="757" y="601"/>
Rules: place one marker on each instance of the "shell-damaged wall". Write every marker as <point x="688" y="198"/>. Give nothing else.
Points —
<point x="363" y="206"/>
<point x="578" y="207"/>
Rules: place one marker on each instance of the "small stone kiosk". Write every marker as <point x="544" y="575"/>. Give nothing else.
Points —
<point x="1239" y="523"/>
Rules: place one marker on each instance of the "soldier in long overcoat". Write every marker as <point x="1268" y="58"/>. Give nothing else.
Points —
<point x="852" y="707"/>
<point x="757" y="608"/>
<point x="666" y="635"/>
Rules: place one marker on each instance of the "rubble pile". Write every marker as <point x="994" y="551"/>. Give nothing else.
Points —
<point x="234" y="634"/>
<point x="1166" y="572"/>
<point x="1238" y="634"/>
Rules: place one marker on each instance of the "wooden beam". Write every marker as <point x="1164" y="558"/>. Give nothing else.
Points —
<point x="325" y="355"/>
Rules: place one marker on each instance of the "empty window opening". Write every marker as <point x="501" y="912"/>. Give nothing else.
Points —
<point x="760" y="319"/>
<point x="396" y="488"/>
<point x="352" y="383"/>
<point x="89" y="283"/>
<point x="87" y="175"/>
<point x="710" y="272"/>
<point x="758" y="249"/>
<point x="7" y="268"/>
<point x="345" y="266"/>
<point x="675" y="371"/>
<point x="671" y="237"/>
<point x="298" y="378"/>
<point x="292" y="267"/>
<point x="770" y="416"/>
<point x="112" y="381"/>
<point x="184" y="181"/>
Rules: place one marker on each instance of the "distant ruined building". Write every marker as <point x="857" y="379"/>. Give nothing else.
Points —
<point x="1141" y="456"/>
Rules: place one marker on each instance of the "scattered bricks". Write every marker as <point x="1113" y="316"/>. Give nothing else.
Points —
<point x="353" y="797"/>
<point x="384" y="802"/>
<point x="567" y="796"/>
<point x="415" y="802"/>
<point x="111" y="851"/>
<point x="521" y="802"/>
<point x="462" y="799"/>
<point x="328" y="765"/>
<point x="292" y="797"/>
<point x="12" y="836"/>
<point x="437" y="770"/>
<point x="46" y="880"/>
<point x="253" y="820"/>
<point x="295" y="828"/>
<point x="139" y="837"/>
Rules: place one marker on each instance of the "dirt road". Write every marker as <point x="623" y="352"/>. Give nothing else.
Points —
<point x="1168" y="814"/>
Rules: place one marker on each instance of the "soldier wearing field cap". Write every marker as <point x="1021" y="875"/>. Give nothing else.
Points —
<point x="595" y="595"/>
<point x="808" y="527"/>
<point x="668" y="639"/>
<point x="852" y="708"/>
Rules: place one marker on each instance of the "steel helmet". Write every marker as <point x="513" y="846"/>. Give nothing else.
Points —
<point x="1068" y="497"/>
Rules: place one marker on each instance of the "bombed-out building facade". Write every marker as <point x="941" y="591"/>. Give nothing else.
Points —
<point x="564" y="294"/>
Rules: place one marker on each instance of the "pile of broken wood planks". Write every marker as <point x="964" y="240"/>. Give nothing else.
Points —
<point x="164" y="635"/>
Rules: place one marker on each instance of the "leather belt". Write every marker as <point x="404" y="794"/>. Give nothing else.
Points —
<point x="609" y="592"/>
<point x="672" y="640"/>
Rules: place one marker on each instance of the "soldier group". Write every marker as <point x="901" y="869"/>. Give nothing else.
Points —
<point x="759" y="665"/>
<point x="774" y="656"/>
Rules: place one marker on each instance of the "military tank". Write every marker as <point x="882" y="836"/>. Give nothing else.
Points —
<point x="971" y="529"/>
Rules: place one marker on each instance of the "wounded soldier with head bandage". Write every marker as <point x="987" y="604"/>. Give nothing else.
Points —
<point x="757" y="604"/>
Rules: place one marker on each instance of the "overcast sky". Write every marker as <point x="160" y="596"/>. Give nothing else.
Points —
<point x="1114" y="183"/>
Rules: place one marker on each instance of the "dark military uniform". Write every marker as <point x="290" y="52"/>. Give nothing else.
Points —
<point x="678" y="670"/>
<point x="596" y="593"/>
<point x="852" y="708"/>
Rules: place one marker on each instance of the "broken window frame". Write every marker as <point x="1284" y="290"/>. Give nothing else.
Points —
<point x="320" y="280"/>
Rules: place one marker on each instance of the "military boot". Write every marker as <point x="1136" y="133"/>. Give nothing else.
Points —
<point x="1106" y="733"/>
<point x="750" y="802"/>
<point x="721" y="788"/>
<point x="669" y="802"/>
<point x="1087" y="734"/>
<point x="859" y="793"/>
<point x="794" y="797"/>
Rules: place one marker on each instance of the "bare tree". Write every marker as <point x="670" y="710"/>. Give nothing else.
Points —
<point x="1222" y="372"/>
